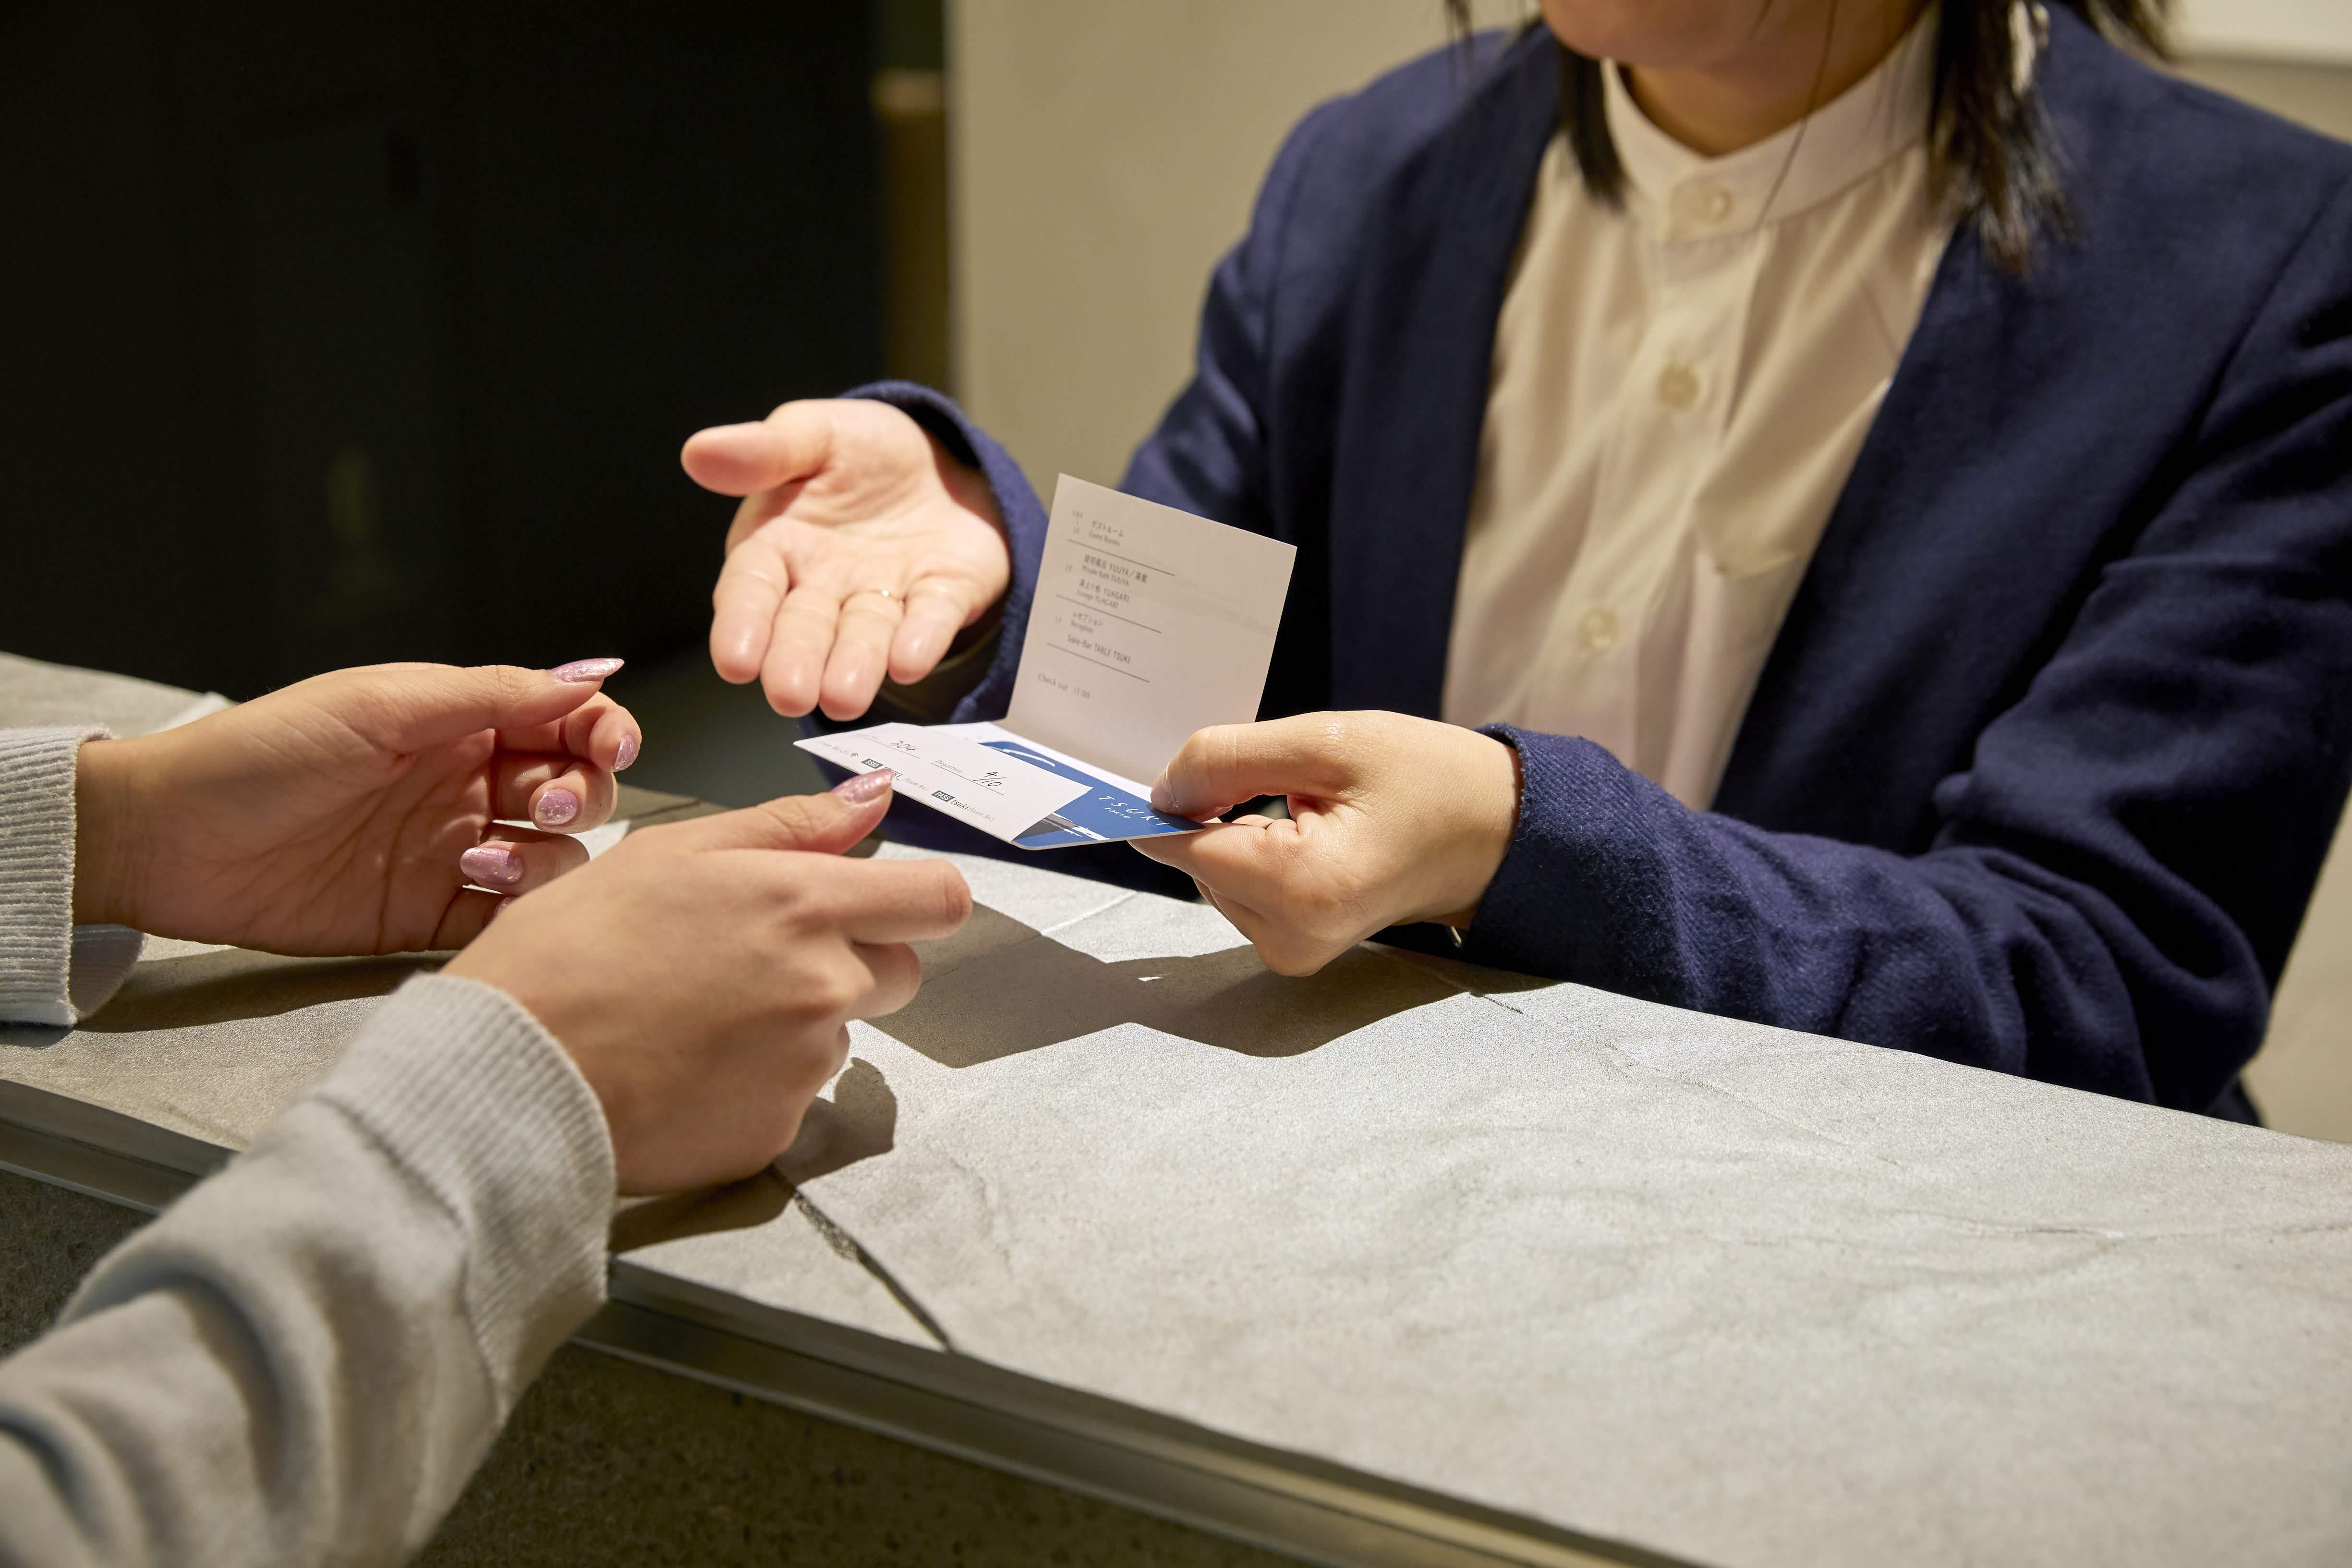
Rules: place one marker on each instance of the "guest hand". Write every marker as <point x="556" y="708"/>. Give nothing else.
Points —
<point x="702" y="975"/>
<point x="347" y="813"/>
<point x="1392" y="820"/>
<point x="861" y="547"/>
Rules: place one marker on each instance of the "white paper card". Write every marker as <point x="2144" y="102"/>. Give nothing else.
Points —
<point x="1149" y="624"/>
<point x="951" y="772"/>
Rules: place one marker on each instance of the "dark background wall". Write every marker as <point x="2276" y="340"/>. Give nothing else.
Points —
<point x="339" y="333"/>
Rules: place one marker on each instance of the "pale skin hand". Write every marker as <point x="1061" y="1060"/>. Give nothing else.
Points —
<point x="1392" y="820"/>
<point x="330" y="816"/>
<point x="702" y="975"/>
<point x="861" y="548"/>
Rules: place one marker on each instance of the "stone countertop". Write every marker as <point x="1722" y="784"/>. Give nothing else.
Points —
<point x="1728" y="1292"/>
<point x="1724" y="1292"/>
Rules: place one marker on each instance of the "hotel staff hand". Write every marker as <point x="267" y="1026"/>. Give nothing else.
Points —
<point x="1392" y="820"/>
<point x="861" y="548"/>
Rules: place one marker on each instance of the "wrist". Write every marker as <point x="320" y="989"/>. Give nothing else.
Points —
<point x="1490" y="821"/>
<point x="107" y="827"/>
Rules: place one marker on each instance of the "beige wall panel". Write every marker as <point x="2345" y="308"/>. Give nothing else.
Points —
<point x="1104" y="155"/>
<point x="2303" y="1079"/>
<point x="2319" y="96"/>
<point x="2311" y="30"/>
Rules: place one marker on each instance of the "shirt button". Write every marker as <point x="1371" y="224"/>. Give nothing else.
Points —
<point x="1599" y="628"/>
<point x="1678" y="386"/>
<point x="1703" y="201"/>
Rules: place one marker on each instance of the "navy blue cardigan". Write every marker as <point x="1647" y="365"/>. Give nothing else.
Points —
<point x="2044" y="764"/>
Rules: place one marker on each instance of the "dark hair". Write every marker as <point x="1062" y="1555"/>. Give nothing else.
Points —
<point x="1988" y="141"/>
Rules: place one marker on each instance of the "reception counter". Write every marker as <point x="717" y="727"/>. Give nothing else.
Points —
<point x="1410" y="1262"/>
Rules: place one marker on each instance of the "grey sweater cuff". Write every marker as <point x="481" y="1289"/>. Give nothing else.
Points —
<point x="465" y="1090"/>
<point x="50" y="972"/>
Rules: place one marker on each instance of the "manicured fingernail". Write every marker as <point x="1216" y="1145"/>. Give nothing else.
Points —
<point x="555" y="808"/>
<point x="864" y="787"/>
<point x="626" y="755"/>
<point x="491" y="866"/>
<point x="580" y="671"/>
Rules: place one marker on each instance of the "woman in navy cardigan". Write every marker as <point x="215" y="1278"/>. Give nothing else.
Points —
<point x="2057" y="725"/>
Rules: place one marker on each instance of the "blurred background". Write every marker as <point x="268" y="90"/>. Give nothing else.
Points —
<point x="338" y="333"/>
<point x="342" y="333"/>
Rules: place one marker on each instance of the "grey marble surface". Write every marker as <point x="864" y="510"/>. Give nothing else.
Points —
<point x="1728" y="1292"/>
<point x="1725" y="1291"/>
<point x="607" y="1462"/>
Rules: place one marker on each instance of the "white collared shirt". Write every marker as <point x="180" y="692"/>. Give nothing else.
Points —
<point x="1679" y="391"/>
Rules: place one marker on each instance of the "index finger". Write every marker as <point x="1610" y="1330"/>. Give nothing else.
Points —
<point x="881" y="901"/>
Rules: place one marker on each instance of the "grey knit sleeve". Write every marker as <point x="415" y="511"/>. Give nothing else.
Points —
<point x="305" y="1358"/>
<point x="51" y="971"/>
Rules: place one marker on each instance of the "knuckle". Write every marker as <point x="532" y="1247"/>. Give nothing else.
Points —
<point x="1331" y="912"/>
<point x="1343" y="734"/>
<point x="513" y="683"/>
<point x="792" y="816"/>
<point x="838" y="986"/>
<point x="1223" y="751"/>
<point x="1289" y="959"/>
<point x="798" y="903"/>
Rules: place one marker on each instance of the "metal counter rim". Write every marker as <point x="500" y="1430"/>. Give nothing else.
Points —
<point x="950" y="1403"/>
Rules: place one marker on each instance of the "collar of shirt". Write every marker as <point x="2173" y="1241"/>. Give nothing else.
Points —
<point x="1693" y="197"/>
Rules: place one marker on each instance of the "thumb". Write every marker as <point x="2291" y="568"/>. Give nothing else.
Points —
<point x="1225" y="765"/>
<point x="826" y="824"/>
<point x="791" y="444"/>
<point x="407" y="707"/>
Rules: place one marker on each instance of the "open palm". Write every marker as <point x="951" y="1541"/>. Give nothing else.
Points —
<point x="336" y="815"/>
<point x="861" y="548"/>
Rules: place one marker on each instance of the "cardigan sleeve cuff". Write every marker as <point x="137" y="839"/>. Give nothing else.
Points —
<point x="1577" y="878"/>
<point x="465" y="1090"/>
<point x="51" y="971"/>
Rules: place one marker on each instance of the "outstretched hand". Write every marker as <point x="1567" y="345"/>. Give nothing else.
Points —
<point x="347" y="814"/>
<point x="861" y="548"/>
